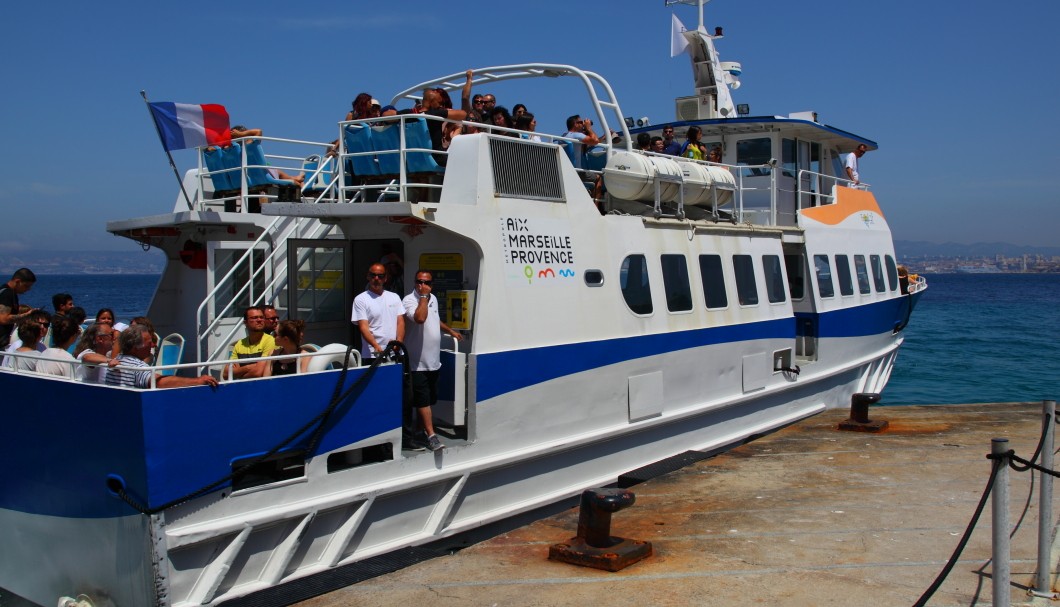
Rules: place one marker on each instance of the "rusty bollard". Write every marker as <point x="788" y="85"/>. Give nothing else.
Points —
<point x="859" y="414"/>
<point x="595" y="546"/>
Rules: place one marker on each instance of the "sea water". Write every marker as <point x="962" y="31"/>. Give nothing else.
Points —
<point x="972" y="338"/>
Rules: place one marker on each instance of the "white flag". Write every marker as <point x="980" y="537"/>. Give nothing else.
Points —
<point x="678" y="43"/>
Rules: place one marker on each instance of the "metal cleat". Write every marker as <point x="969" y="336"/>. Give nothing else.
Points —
<point x="595" y="546"/>
<point x="859" y="414"/>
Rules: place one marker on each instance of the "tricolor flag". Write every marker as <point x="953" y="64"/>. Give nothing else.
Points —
<point x="678" y="42"/>
<point x="185" y="125"/>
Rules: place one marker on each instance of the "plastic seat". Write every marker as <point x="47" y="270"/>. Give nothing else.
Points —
<point x="596" y="158"/>
<point x="323" y="179"/>
<point x="358" y="139"/>
<point x="257" y="173"/>
<point x="573" y="152"/>
<point x="215" y="164"/>
<point x="417" y="136"/>
<point x="310" y="348"/>
<point x="332" y="356"/>
<point x="387" y="141"/>
<point x="170" y="352"/>
<point x="232" y="160"/>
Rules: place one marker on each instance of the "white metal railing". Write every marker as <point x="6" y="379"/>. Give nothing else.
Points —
<point x="821" y="187"/>
<point x="215" y="368"/>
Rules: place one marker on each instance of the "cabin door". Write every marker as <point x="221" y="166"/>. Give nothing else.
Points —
<point x="315" y="289"/>
<point x="802" y="302"/>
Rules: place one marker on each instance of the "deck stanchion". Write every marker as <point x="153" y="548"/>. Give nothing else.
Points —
<point x="999" y="526"/>
<point x="1042" y="587"/>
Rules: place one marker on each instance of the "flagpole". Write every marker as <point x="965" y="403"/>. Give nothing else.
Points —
<point x="172" y="164"/>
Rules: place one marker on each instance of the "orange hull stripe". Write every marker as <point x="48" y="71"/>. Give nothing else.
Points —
<point x="848" y="202"/>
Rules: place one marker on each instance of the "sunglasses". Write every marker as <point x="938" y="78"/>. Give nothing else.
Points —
<point x="424" y="282"/>
<point x="374" y="275"/>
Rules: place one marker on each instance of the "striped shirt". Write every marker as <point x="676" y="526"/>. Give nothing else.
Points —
<point x="129" y="378"/>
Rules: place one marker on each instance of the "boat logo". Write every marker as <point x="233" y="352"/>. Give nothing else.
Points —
<point x="868" y="219"/>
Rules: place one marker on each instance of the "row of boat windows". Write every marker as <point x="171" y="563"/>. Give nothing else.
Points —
<point x="636" y="284"/>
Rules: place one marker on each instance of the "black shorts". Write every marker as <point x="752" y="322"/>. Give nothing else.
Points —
<point x="424" y="388"/>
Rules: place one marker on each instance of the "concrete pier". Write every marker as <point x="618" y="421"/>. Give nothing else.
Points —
<point x="807" y="516"/>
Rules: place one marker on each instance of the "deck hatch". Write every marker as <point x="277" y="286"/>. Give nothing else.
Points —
<point x="525" y="169"/>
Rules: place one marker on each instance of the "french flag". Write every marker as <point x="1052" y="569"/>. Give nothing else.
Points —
<point x="186" y="125"/>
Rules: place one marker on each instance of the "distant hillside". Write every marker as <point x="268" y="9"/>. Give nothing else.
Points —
<point x="919" y="248"/>
<point x="134" y="261"/>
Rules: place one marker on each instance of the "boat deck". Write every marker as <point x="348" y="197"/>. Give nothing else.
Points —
<point x="805" y="516"/>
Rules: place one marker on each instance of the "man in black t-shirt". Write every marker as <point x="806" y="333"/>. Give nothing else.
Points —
<point x="21" y="282"/>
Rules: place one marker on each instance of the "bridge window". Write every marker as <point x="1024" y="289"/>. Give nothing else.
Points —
<point x="877" y="273"/>
<point x="863" y="274"/>
<point x="713" y="281"/>
<point x="842" y="270"/>
<point x="754" y="152"/>
<point x="824" y="276"/>
<point x="746" y="288"/>
<point x="892" y="273"/>
<point x="633" y="280"/>
<point x="675" y="282"/>
<point x="774" y="278"/>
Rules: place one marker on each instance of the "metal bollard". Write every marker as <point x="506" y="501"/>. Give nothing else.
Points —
<point x="859" y="414"/>
<point x="1042" y="587"/>
<point x="594" y="545"/>
<point x="1001" y="552"/>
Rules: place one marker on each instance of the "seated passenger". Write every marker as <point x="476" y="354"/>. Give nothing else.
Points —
<point x="526" y="122"/>
<point x="57" y="360"/>
<point x="658" y="145"/>
<point x="714" y="155"/>
<point x="499" y="116"/>
<point x="62" y="302"/>
<point x="30" y="331"/>
<point x="581" y="130"/>
<point x="644" y="142"/>
<point x="434" y="105"/>
<point x="96" y="348"/>
<point x="255" y="345"/>
<point x="105" y="316"/>
<point x="518" y="110"/>
<point x="42" y="318"/>
<point x="136" y="343"/>
<point x="289" y="335"/>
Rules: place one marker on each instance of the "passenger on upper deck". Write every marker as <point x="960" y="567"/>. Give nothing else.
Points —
<point x="517" y="110"/>
<point x="670" y="145"/>
<point x="94" y="347"/>
<point x="657" y="145"/>
<point x="527" y="122"/>
<point x="488" y="103"/>
<point x="21" y="282"/>
<point x="136" y="343"/>
<point x="644" y="142"/>
<point x="850" y="164"/>
<point x="433" y="105"/>
<point x="378" y="314"/>
<point x="714" y="155"/>
<point x="693" y="148"/>
<point x="582" y="130"/>
<point x="57" y="360"/>
<point x="255" y="345"/>
<point x="499" y="116"/>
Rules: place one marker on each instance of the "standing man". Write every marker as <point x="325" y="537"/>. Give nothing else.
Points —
<point x="424" y="343"/>
<point x="851" y="164"/>
<point x="256" y="344"/>
<point x="378" y="315"/>
<point x="21" y="282"/>
<point x="670" y="145"/>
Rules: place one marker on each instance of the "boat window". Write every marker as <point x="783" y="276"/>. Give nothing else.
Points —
<point x="892" y="273"/>
<point x="877" y="273"/>
<point x="675" y="283"/>
<point x="319" y="284"/>
<point x="863" y="274"/>
<point x="224" y="261"/>
<point x="787" y="153"/>
<point x="796" y="276"/>
<point x="774" y="278"/>
<point x="824" y="276"/>
<point x="713" y="281"/>
<point x="746" y="289"/>
<point x="753" y="152"/>
<point x="594" y="278"/>
<point x="842" y="271"/>
<point x="633" y="279"/>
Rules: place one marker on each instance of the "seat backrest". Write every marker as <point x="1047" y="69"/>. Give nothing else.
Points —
<point x="323" y="178"/>
<point x="257" y="174"/>
<point x="596" y="158"/>
<point x="417" y="136"/>
<point x="574" y="152"/>
<point x="358" y="139"/>
<point x="232" y="160"/>
<point x="170" y="352"/>
<point x="387" y="139"/>
<point x="214" y="161"/>
<point x="332" y="356"/>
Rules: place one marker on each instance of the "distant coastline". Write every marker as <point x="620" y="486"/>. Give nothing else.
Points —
<point x="133" y="261"/>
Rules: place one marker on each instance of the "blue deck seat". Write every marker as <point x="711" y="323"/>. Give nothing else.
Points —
<point x="257" y="173"/>
<point x="323" y="179"/>
<point x="232" y="161"/>
<point x="215" y="164"/>
<point x="170" y="352"/>
<point x="573" y="152"/>
<point x="417" y="136"/>
<point x="358" y="139"/>
<point x="596" y="158"/>
<point x="387" y="141"/>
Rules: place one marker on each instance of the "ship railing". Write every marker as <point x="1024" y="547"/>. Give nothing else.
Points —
<point x="816" y="189"/>
<point x="250" y="293"/>
<point x="237" y="182"/>
<point x="917" y="284"/>
<point x="323" y="359"/>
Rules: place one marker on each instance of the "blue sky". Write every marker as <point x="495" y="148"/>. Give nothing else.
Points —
<point x="960" y="96"/>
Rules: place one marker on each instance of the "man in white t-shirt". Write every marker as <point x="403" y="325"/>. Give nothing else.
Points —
<point x="424" y="341"/>
<point x="378" y="315"/>
<point x="851" y="163"/>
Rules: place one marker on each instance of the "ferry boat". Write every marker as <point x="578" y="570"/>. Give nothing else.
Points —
<point x="691" y="306"/>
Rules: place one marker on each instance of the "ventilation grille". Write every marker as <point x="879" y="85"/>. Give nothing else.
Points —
<point x="525" y="169"/>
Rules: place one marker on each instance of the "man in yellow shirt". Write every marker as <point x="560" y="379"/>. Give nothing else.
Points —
<point x="256" y="344"/>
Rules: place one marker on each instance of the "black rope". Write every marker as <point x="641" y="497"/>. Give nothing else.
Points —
<point x="995" y="466"/>
<point x="1037" y="450"/>
<point x="337" y="397"/>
